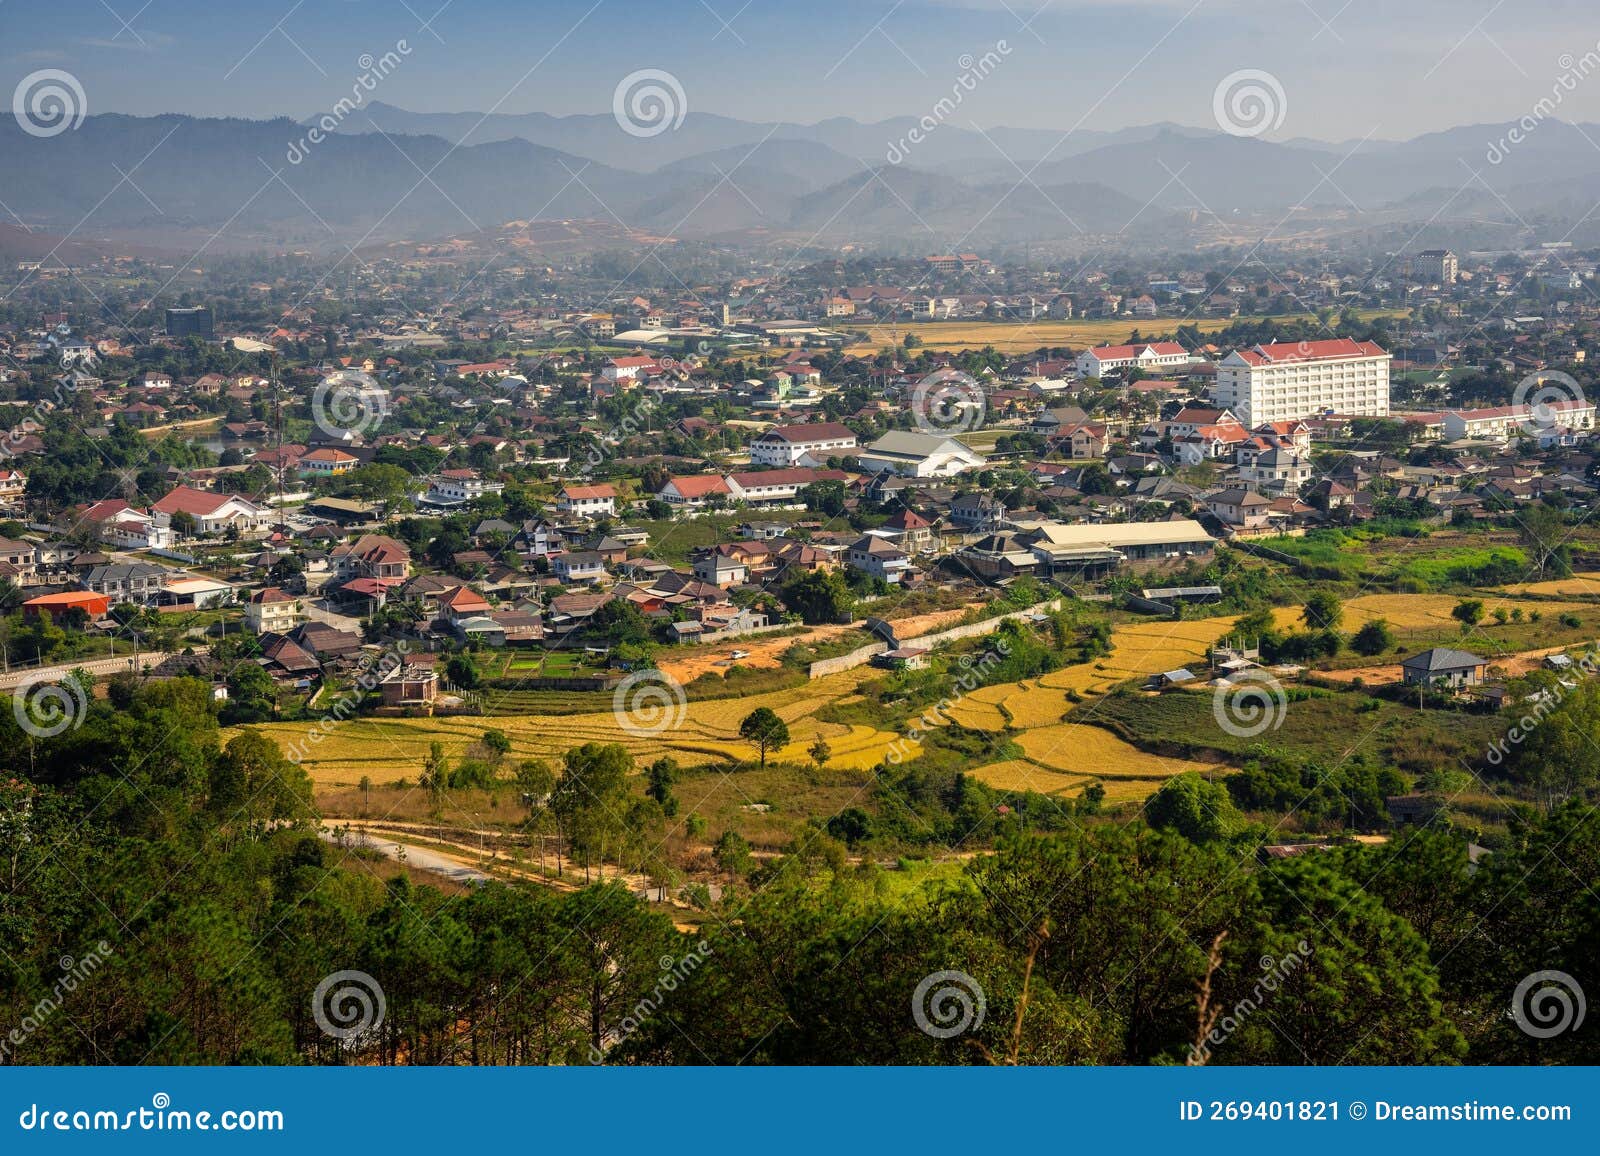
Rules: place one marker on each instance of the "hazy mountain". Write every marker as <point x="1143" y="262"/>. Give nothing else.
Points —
<point x="236" y="176"/>
<point x="599" y="136"/>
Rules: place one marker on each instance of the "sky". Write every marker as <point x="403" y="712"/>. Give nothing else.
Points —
<point x="1346" y="69"/>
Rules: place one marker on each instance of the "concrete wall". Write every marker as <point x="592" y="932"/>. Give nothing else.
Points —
<point x="927" y="641"/>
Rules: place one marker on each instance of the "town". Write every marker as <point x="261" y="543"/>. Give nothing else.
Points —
<point x="657" y="565"/>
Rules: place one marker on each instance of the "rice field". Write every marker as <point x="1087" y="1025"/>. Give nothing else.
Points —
<point x="1062" y="750"/>
<point x="1083" y="749"/>
<point x="1427" y="611"/>
<point x="386" y="749"/>
<point x="1579" y="585"/>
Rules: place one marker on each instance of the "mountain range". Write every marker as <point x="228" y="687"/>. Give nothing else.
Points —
<point x="389" y="174"/>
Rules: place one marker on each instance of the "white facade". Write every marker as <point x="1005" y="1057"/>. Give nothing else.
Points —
<point x="1297" y="380"/>
<point x="1102" y="360"/>
<point x="793" y="445"/>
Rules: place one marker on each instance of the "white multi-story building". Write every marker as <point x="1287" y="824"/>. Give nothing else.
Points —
<point x="1103" y="359"/>
<point x="792" y="445"/>
<point x="1505" y="422"/>
<point x="1294" y="380"/>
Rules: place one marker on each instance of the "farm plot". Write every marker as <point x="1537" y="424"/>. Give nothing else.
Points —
<point x="1081" y="749"/>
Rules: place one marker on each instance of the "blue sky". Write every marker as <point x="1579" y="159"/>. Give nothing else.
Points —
<point x="1347" y="69"/>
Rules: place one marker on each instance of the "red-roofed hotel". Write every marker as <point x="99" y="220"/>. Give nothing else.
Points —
<point x="1294" y="380"/>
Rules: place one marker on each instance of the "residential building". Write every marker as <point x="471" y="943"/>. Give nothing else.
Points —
<point x="877" y="556"/>
<point x="327" y="462"/>
<point x="1277" y="469"/>
<point x="695" y="490"/>
<point x="371" y="556"/>
<point x="272" y="611"/>
<point x="1443" y="666"/>
<point x="1239" y="507"/>
<point x="214" y="513"/>
<point x="579" y="566"/>
<point x="1504" y="423"/>
<point x="126" y="581"/>
<point x="457" y="487"/>
<point x="588" y="501"/>
<point x="770" y="487"/>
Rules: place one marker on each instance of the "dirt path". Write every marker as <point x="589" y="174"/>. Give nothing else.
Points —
<point x="768" y="652"/>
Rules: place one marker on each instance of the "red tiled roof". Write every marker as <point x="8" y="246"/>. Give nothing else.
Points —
<point x="1290" y="352"/>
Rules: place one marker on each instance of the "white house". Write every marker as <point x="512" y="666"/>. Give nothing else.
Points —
<point x="214" y="513"/>
<point x="773" y="486"/>
<point x="1277" y="469"/>
<point x="271" y="611"/>
<point x="579" y="566"/>
<point x="588" y="501"/>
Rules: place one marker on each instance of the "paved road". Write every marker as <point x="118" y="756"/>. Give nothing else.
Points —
<point x="95" y="666"/>
<point x="418" y="857"/>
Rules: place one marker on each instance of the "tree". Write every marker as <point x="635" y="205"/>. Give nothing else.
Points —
<point x="732" y="853"/>
<point x="1468" y="612"/>
<point x="1323" y="611"/>
<point x="765" y="729"/>
<point x="1374" y="638"/>
<point x="660" y="777"/>
<point x="1197" y="808"/>
<point x="820" y="752"/>
<point x="497" y="743"/>
<point x="590" y="801"/>
<point x="462" y="671"/>
<point x="819" y="597"/>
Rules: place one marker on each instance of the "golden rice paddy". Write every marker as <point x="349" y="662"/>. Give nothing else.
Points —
<point x="1427" y="611"/>
<point x="1061" y="748"/>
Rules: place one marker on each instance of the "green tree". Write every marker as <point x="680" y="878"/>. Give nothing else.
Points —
<point x="1322" y="611"/>
<point x="1468" y="612"/>
<point x="1197" y="808"/>
<point x="661" y="776"/>
<point x="765" y="729"/>
<point x="1375" y="637"/>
